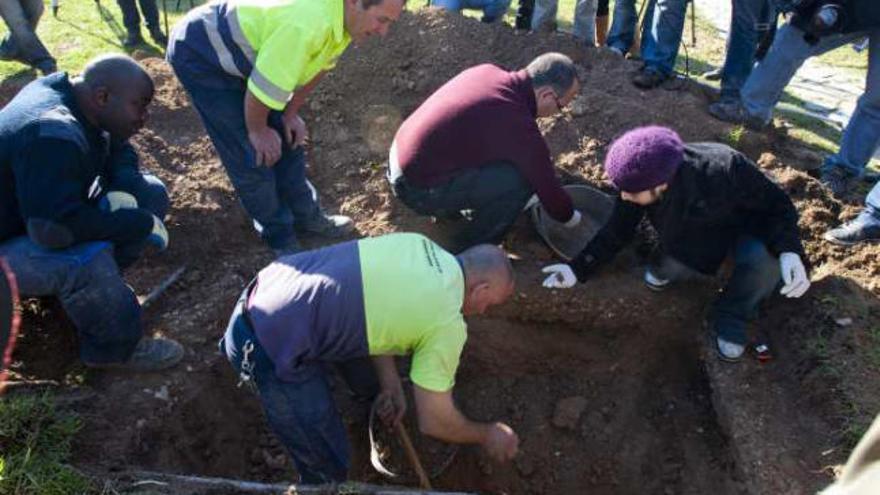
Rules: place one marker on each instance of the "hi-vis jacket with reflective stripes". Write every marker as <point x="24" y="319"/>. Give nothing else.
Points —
<point x="277" y="45"/>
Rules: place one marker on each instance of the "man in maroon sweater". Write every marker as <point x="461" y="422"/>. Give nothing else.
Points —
<point x="474" y="146"/>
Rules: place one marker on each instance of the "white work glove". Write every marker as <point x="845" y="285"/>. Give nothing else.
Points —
<point x="561" y="276"/>
<point x="159" y="236"/>
<point x="794" y="275"/>
<point x="574" y="220"/>
<point x="117" y="200"/>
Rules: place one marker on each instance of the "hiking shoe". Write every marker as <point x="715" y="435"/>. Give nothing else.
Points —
<point x="158" y="36"/>
<point x="132" y="39"/>
<point x="648" y="78"/>
<point x="329" y="225"/>
<point x="655" y="282"/>
<point x="712" y="75"/>
<point x="729" y="351"/>
<point x="838" y="181"/>
<point x="735" y="113"/>
<point x="863" y="228"/>
<point x="150" y="354"/>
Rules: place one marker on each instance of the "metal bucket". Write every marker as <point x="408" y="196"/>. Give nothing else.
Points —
<point x="595" y="207"/>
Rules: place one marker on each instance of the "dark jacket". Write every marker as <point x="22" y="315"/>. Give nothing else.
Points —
<point x="855" y="16"/>
<point x="50" y="160"/>
<point x="716" y="196"/>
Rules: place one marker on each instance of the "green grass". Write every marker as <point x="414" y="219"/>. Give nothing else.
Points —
<point x="35" y="448"/>
<point x="82" y="30"/>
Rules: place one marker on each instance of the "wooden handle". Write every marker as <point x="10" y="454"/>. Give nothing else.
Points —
<point x="424" y="482"/>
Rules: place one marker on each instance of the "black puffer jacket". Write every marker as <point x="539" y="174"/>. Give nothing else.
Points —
<point x="716" y="196"/>
<point x="855" y="15"/>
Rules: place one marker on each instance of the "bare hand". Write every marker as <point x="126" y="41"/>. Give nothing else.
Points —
<point x="501" y="443"/>
<point x="391" y="406"/>
<point x="267" y="146"/>
<point x="295" y="133"/>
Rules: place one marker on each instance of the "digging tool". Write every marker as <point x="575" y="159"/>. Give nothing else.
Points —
<point x="413" y="457"/>
<point x="162" y="287"/>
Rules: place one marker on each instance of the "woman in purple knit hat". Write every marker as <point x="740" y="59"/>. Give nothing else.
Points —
<point x="707" y="202"/>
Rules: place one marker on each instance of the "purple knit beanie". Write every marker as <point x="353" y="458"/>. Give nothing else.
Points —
<point x="644" y="158"/>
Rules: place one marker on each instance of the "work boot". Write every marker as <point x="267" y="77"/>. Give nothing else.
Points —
<point x="158" y="36"/>
<point x="863" y="228"/>
<point x="712" y="75"/>
<point x="150" y="354"/>
<point x="648" y="78"/>
<point x="838" y="181"/>
<point x="328" y="225"/>
<point x="132" y="39"/>
<point x="733" y="111"/>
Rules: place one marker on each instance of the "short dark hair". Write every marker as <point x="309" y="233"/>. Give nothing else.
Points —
<point x="553" y="69"/>
<point x="370" y="3"/>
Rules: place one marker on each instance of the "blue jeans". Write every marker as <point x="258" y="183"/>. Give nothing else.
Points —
<point x="495" y="193"/>
<point x="275" y="197"/>
<point x="301" y="413"/>
<point x="150" y="194"/>
<point x="764" y="88"/>
<point x="584" y="18"/>
<point x="623" y="24"/>
<point x="750" y="20"/>
<point x="660" y="43"/>
<point x="86" y="280"/>
<point x="492" y="9"/>
<point x="755" y="275"/>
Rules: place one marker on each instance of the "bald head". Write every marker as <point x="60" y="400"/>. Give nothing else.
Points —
<point x="488" y="276"/>
<point x="115" y="71"/>
<point x="114" y="92"/>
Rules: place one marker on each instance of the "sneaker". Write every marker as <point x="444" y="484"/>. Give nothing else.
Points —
<point x="150" y="354"/>
<point x="735" y="113"/>
<point x="712" y="75"/>
<point x="158" y="36"/>
<point x="863" y="228"/>
<point x="132" y="39"/>
<point x="329" y="225"/>
<point x="655" y="282"/>
<point x="729" y="351"/>
<point x="648" y="78"/>
<point x="838" y="181"/>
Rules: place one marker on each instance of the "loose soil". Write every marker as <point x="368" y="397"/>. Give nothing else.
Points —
<point x="610" y="386"/>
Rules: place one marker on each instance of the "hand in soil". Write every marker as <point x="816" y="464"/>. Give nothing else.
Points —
<point x="267" y="146"/>
<point x="561" y="276"/>
<point x="295" y="132"/>
<point x="391" y="406"/>
<point x="501" y="442"/>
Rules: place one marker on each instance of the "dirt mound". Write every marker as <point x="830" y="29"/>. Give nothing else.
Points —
<point x="619" y="366"/>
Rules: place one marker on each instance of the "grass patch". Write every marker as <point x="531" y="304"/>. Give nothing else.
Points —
<point x="35" y="447"/>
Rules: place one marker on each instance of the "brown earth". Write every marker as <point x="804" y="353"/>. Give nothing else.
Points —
<point x="608" y="385"/>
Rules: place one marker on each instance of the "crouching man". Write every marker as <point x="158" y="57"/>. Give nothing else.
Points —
<point x="74" y="207"/>
<point x="707" y="202"/>
<point x="353" y="303"/>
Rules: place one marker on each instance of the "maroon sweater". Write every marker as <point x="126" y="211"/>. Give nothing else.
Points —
<point x="485" y="114"/>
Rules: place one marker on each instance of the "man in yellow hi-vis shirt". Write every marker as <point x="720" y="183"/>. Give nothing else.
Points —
<point x="248" y="66"/>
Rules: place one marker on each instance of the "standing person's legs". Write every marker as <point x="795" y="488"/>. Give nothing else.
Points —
<point x="756" y="274"/>
<point x="864" y="228"/>
<point x="222" y="113"/>
<point x="301" y="413"/>
<point x="524" y="14"/>
<point x="585" y="21"/>
<point x="493" y="10"/>
<point x="450" y="5"/>
<point x="660" y="43"/>
<point x="862" y="134"/>
<point x="544" y="15"/>
<point x="22" y="16"/>
<point x="150" y="10"/>
<point x="86" y="280"/>
<point x="747" y="26"/>
<point x="601" y="22"/>
<point x="131" y="18"/>
<point x="623" y="25"/>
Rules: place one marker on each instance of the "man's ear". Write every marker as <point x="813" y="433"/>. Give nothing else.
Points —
<point x="101" y="96"/>
<point x="544" y="92"/>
